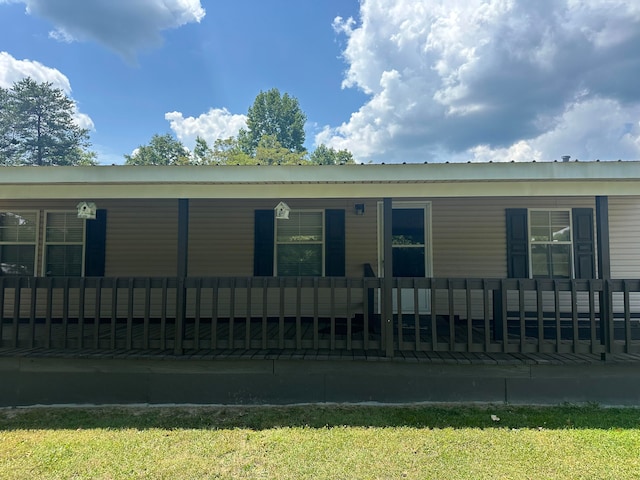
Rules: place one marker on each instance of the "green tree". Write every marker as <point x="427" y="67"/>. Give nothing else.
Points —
<point x="277" y="115"/>
<point x="225" y="151"/>
<point x="37" y="127"/>
<point x="271" y="152"/>
<point x="202" y="152"/>
<point x="8" y="142"/>
<point x="324" y="155"/>
<point x="161" y="150"/>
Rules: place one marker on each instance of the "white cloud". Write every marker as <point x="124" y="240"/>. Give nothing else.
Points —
<point x="492" y="79"/>
<point x="125" y="26"/>
<point x="217" y="123"/>
<point x="13" y="70"/>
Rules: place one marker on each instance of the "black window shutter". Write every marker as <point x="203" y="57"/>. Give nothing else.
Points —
<point x="517" y="243"/>
<point x="334" y="257"/>
<point x="583" y="243"/>
<point x="263" y="243"/>
<point x="95" y="245"/>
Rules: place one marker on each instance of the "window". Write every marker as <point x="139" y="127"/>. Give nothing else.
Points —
<point x="408" y="242"/>
<point x="299" y="244"/>
<point x="550" y="243"/>
<point x="18" y="236"/>
<point x="64" y="244"/>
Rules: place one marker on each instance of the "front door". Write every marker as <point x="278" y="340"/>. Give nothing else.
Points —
<point x="411" y="247"/>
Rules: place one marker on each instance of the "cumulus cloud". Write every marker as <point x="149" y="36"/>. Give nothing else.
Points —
<point x="217" y="123"/>
<point x="123" y="26"/>
<point x="496" y="79"/>
<point x="13" y="70"/>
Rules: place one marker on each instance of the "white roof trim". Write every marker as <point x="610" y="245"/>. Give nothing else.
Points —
<point x="347" y="181"/>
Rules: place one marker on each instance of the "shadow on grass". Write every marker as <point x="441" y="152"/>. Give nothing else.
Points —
<point x="321" y="416"/>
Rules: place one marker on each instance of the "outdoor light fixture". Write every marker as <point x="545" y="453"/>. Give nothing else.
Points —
<point x="359" y="208"/>
<point x="86" y="210"/>
<point x="282" y="211"/>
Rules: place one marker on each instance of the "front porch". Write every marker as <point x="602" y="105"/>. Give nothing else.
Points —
<point x="239" y="340"/>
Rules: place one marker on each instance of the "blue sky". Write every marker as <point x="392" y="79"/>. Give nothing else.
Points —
<point x="391" y="80"/>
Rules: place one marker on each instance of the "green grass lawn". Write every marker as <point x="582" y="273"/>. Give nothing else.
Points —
<point x="334" y="442"/>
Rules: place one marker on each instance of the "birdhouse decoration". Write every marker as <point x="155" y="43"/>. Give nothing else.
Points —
<point x="86" y="210"/>
<point x="282" y="211"/>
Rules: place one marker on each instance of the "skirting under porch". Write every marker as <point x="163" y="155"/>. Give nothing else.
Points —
<point x="257" y="377"/>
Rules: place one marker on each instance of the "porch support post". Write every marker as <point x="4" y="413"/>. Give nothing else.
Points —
<point x="182" y="262"/>
<point x="183" y="236"/>
<point x="604" y="267"/>
<point x="387" y="285"/>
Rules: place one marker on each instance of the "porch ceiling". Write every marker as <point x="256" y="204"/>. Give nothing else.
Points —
<point x="339" y="181"/>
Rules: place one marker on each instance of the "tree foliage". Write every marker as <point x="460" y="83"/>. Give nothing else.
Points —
<point x="324" y="155"/>
<point x="225" y="151"/>
<point x="161" y="150"/>
<point x="37" y="127"/>
<point x="274" y="137"/>
<point x="268" y="152"/>
<point x="271" y="152"/>
<point x="277" y="115"/>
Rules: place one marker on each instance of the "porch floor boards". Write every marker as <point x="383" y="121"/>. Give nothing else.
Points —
<point x="421" y="357"/>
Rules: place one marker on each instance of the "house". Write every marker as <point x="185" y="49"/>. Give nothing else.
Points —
<point x="381" y="261"/>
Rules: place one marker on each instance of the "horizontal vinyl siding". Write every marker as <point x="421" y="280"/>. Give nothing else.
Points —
<point x="221" y="237"/>
<point x="468" y="238"/>
<point x="362" y="238"/>
<point x="624" y="233"/>
<point x="142" y="238"/>
<point x="221" y="234"/>
<point x="141" y="234"/>
<point x="469" y="234"/>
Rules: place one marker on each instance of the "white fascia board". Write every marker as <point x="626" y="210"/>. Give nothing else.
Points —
<point x="339" y="181"/>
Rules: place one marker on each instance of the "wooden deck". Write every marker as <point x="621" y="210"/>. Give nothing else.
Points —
<point x="436" y="358"/>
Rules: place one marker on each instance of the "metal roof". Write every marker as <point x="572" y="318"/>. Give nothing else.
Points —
<point x="313" y="181"/>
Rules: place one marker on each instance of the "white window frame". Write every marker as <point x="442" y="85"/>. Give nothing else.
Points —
<point x="45" y="243"/>
<point x="276" y="243"/>
<point x="428" y="248"/>
<point x="37" y="235"/>
<point x="570" y="242"/>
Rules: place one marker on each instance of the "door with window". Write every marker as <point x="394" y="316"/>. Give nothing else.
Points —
<point x="411" y="249"/>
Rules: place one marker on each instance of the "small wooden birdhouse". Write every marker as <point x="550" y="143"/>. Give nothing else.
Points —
<point x="282" y="211"/>
<point x="86" y="210"/>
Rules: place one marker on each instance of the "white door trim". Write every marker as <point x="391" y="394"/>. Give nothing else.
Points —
<point x="428" y="254"/>
<point x="426" y="205"/>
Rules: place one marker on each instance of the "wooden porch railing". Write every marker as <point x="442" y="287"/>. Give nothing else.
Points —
<point x="319" y="314"/>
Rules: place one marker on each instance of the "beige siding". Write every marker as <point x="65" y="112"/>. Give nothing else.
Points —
<point x="221" y="234"/>
<point x="141" y="234"/>
<point x="469" y="234"/>
<point x="624" y="228"/>
<point x="141" y="238"/>
<point x="468" y="238"/>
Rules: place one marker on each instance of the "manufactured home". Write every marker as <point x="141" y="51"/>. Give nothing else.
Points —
<point x="385" y="261"/>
